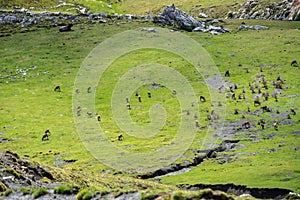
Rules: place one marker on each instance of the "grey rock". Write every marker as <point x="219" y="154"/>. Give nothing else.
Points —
<point x="283" y="10"/>
<point x="172" y="16"/>
<point x="256" y="27"/>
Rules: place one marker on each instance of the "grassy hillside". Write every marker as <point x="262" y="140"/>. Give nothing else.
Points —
<point x="29" y="105"/>
<point x="213" y="8"/>
<point x="33" y="63"/>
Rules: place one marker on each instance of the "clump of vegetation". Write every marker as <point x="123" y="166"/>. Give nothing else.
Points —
<point x="2" y="187"/>
<point x="86" y="194"/>
<point x="6" y="192"/>
<point x="64" y="189"/>
<point x="149" y="196"/>
<point x="202" y="194"/>
<point x="26" y="191"/>
<point x="38" y="192"/>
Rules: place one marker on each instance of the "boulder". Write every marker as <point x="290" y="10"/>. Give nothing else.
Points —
<point x="66" y="28"/>
<point x="172" y="16"/>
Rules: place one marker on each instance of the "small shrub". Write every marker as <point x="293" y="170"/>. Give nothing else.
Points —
<point x="63" y="189"/>
<point x="85" y="194"/>
<point x="26" y="191"/>
<point x="2" y="187"/>
<point x="39" y="192"/>
<point x="7" y="192"/>
<point x="179" y="196"/>
<point x="149" y="196"/>
<point x="45" y="180"/>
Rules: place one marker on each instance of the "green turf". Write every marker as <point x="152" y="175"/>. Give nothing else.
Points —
<point x="29" y="105"/>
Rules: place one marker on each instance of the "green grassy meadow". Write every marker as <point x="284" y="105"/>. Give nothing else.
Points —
<point x="33" y="63"/>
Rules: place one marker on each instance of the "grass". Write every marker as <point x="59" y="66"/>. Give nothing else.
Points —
<point x="29" y="105"/>
<point x="69" y="6"/>
<point x="38" y="192"/>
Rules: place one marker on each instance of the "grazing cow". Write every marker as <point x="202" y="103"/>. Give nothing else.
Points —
<point x="174" y="92"/>
<point x="195" y="116"/>
<point x="252" y="89"/>
<point x="294" y="63"/>
<point x="139" y="98"/>
<point x="233" y="96"/>
<point x="278" y="78"/>
<point x="89" y="89"/>
<point x="202" y="99"/>
<point x="127" y="100"/>
<point x="293" y="111"/>
<point x="278" y="84"/>
<point x="149" y="94"/>
<point x="136" y="93"/>
<point x="90" y="114"/>
<point x="246" y="125"/>
<point x="266" y="109"/>
<point x="261" y="69"/>
<point x="46" y="135"/>
<point x="66" y="28"/>
<point x="227" y="73"/>
<point x="77" y="91"/>
<point x="236" y="111"/>
<point x="128" y="106"/>
<point x="275" y="97"/>
<point x="288" y="116"/>
<point x="275" y="125"/>
<point x="244" y="90"/>
<point x="57" y="89"/>
<point x="78" y="110"/>
<point x="98" y="118"/>
<point x="265" y="95"/>
<point x="262" y="123"/>
<point x="249" y="109"/>
<point x="259" y="91"/>
<point x="120" y="137"/>
<point x="231" y="87"/>
<point x="208" y="117"/>
<point x="241" y="96"/>
<point x="256" y="102"/>
<point x="197" y="123"/>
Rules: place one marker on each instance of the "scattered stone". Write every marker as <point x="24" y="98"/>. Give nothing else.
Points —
<point x="66" y="28"/>
<point x="256" y="27"/>
<point x="149" y="30"/>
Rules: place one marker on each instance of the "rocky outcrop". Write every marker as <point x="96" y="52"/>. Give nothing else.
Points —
<point x="284" y="10"/>
<point x="172" y="16"/>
